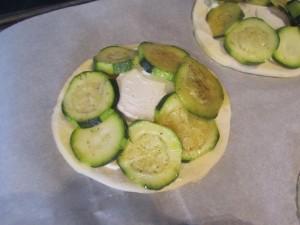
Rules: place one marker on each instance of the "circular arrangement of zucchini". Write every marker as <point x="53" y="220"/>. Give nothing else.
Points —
<point x="149" y="153"/>
<point x="250" y="36"/>
<point x="252" y="40"/>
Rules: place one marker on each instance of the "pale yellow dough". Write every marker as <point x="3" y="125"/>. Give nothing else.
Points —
<point x="214" y="47"/>
<point x="110" y="174"/>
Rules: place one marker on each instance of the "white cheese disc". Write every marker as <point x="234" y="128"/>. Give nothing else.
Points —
<point x="214" y="47"/>
<point x="139" y="95"/>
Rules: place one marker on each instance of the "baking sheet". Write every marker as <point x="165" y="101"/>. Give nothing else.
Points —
<point x="253" y="184"/>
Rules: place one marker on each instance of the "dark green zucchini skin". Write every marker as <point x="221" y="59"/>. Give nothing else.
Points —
<point x="117" y="92"/>
<point x="89" y="123"/>
<point x="293" y="11"/>
<point x="163" y="100"/>
<point x="146" y="65"/>
<point x="123" y="117"/>
<point x="122" y="67"/>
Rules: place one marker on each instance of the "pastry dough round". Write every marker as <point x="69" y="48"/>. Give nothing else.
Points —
<point x="111" y="175"/>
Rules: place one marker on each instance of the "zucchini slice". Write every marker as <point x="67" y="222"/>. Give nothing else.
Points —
<point x="89" y="94"/>
<point x="293" y="10"/>
<point x="152" y="156"/>
<point x="253" y="2"/>
<point x="251" y="41"/>
<point x="279" y="3"/>
<point x="198" y="136"/>
<point x="199" y="90"/>
<point x="222" y="17"/>
<point x="160" y="60"/>
<point x="288" y="52"/>
<point x="260" y="2"/>
<point x="114" y="60"/>
<point x="98" y="145"/>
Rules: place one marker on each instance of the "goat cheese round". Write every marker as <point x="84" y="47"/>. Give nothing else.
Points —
<point x="139" y="95"/>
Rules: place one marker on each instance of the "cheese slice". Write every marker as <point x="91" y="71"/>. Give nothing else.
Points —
<point x="139" y="95"/>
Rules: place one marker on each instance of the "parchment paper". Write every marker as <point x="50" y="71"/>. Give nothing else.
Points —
<point x="253" y="184"/>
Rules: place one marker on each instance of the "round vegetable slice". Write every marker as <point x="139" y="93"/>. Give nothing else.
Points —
<point x="260" y="2"/>
<point x="251" y="41"/>
<point x="161" y="60"/>
<point x="288" y="52"/>
<point x="293" y="10"/>
<point x="115" y="60"/>
<point x="89" y="94"/>
<point x="198" y="136"/>
<point x="199" y="90"/>
<point x="152" y="156"/>
<point x="222" y="17"/>
<point x="98" y="145"/>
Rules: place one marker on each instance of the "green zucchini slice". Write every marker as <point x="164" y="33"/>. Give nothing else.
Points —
<point x="152" y="156"/>
<point x="199" y="90"/>
<point x="280" y="3"/>
<point x="254" y="2"/>
<point x="260" y="2"/>
<point x="89" y="94"/>
<point x="222" y="17"/>
<point x="293" y="10"/>
<point x="114" y="60"/>
<point x="288" y="52"/>
<point x="197" y="135"/>
<point x="251" y="41"/>
<point x="161" y="60"/>
<point x="98" y="145"/>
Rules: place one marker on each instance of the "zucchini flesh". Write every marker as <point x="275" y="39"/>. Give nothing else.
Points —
<point x="259" y="2"/>
<point x="198" y="136"/>
<point x="222" y="17"/>
<point x="89" y="94"/>
<point x="161" y="60"/>
<point x="288" y="52"/>
<point x="199" y="90"/>
<point x="115" y="60"/>
<point x="152" y="156"/>
<point x="98" y="145"/>
<point x="251" y="41"/>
